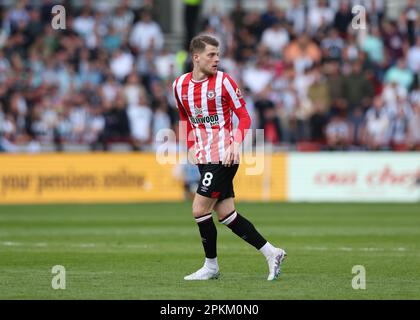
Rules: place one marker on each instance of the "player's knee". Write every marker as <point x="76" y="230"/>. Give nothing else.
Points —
<point x="199" y="210"/>
<point x="222" y="214"/>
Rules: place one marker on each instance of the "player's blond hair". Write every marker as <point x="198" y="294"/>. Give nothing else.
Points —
<point x="198" y="43"/>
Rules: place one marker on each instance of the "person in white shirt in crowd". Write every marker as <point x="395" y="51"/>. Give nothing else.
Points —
<point x="414" y="96"/>
<point x="390" y="93"/>
<point x="376" y="130"/>
<point x="161" y="119"/>
<point x="146" y="34"/>
<point x="84" y="24"/>
<point x="133" y="89"/>
<point x="400" y="126"/>
<point x="275" y="38"/>
<point x="78" y="118"/>
<point x="123" y="18"/>
<point x="413" y="57"/>
<point x="121" y="64"/>
<point x="166" y="65"/>
<point x="296" y="16"/>
<point x="17" y="15"/>
<point x="140" y="117"/>
<point x="109" y="89"/>
<point x="319" y="15"/>
<point x="259" y="75"/>
<point x="94" y="125"/>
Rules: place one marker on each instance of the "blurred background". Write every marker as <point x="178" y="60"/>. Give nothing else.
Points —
<point x="85" y="182"/>
<point x="310" y="79"/>
<point x="313" y="76"/>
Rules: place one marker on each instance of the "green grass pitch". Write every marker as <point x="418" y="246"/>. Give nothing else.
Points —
<point x="143" y="251"/>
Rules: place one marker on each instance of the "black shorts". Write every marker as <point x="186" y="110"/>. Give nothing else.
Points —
<point x="216" y="181"/>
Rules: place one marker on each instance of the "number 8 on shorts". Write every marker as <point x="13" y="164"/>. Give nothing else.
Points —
<point x="208" y="176"/>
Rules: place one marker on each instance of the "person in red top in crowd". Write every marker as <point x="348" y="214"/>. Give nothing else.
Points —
<point x="206" y="99"/>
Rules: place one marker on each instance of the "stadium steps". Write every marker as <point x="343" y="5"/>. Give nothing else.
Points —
<point x="174" y="41"/>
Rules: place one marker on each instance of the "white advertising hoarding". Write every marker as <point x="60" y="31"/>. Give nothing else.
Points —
<point x="354" y="177"/>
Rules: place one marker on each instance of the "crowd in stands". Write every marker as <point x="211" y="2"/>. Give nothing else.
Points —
<point x="312" y="77"/>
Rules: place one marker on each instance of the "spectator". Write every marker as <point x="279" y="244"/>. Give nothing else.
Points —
<point x="400" y="126"/>
<point x="413" y="58"/>
<point x="258" y="77"/>
<point x="269" y="16"/>
<point x="121" y="64"/>
<point x="319" y="15"/>
<point x="296" y="16"/>
<point x="267" y="117"/>
<point x="393" y="41"/>
<point x="317" y="123"/>
<point x="377" y="125"/>
<point x="140" y="117"/>
<point x="414" y="128"/>
<point x="343" y="18"/>
<point x="275" y="38"/>
<point x="122" y="19"/>
<point x="373" y="45"/>
<point x="338" y="133"/>
<point x="133" y="89"/>
<point x="332" y="46"/>
<point x="297" y="67"/>
<point x="237" y="15"/>
<point x="319" y="91"/>
<point x="303" y="53"/>
<point x="146" y="34"/>
<point x="400" y="74"/>
<point x="357" y="88"/>
<point x="84" y="24"/>
<point x="18" y="16"/>
<point x="116" y="123"/>
<point x="410" y="15"/>
<point x="356" y="125"/>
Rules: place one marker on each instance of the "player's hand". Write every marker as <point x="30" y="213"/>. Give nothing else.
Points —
<point x="191" y="156"/>
<point x="231" y="155"/>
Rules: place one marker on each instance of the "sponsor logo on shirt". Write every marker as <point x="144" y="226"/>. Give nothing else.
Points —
<point x="212" y="120"/>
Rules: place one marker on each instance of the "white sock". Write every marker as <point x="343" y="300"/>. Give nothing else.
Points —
<point x="267" y="249"/>
<point x="211" y="264"/>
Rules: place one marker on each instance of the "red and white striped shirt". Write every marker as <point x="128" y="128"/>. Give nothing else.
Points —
<point x="206" y="106"/>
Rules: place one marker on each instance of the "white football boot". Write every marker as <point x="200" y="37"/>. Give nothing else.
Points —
<point x="204" y="273"/>
<point x="274" y="263"/>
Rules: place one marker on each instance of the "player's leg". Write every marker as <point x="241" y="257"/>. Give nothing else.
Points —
<point x="243" y="228"/>
<point x="202" y="211"/>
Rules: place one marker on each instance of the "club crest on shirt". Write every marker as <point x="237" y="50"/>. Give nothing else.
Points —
<point x="211" y="95"/>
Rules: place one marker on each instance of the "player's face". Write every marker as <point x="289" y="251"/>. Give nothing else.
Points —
<point x="208" y="60"/>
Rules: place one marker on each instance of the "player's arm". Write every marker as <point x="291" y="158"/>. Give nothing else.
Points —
<point x="185" y="122"/>
<point x="238" y="106"/>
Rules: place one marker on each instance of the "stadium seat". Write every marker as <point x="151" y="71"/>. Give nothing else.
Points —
<point x="308" y="146"/>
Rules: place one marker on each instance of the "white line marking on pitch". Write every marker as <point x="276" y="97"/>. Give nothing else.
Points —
<point x="144" y="246"/>
<point x="401" y="249"/>
<point x="10" y="243"/>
